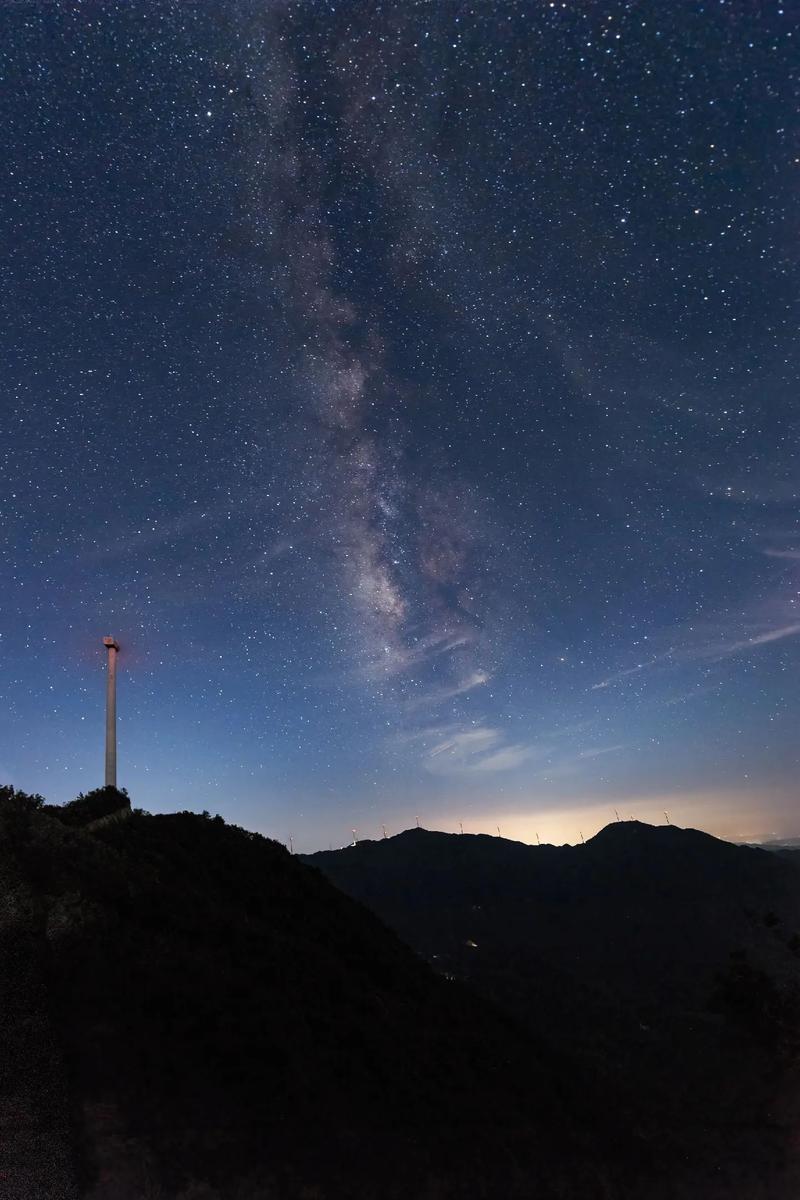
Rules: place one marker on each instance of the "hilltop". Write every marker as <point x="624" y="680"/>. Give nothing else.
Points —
<point x="629" y="891"/>
<point x="668" y="961"/>
<point x="190" y="1012"/>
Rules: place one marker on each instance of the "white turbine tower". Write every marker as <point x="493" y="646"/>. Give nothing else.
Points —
<point x="111" y="646"/>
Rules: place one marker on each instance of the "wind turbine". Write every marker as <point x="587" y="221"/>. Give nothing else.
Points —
<point x="112" y="647"/>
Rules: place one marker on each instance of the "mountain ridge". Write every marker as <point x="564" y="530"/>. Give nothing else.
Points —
<point x="190" y="1013"/>
<point x="668" y="959"/>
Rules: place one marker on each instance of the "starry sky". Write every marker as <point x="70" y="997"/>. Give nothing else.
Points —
<point x="411" y="388"/>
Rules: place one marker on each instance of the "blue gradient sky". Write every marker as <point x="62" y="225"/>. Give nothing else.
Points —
<point x="412" y="392"/>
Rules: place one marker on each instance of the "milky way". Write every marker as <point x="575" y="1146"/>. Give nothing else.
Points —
<point x="412" y="391"/>
<point x="404" y="535"/>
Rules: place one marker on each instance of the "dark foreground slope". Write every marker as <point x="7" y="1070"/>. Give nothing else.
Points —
<point x="666" y="960"/>
<point x="190" y="1012"/>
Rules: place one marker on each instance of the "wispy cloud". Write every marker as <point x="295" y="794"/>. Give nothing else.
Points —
<point x="709" y="642"/>
<point x="466" y="743"/>
<point x="398" y="659"/>
<point x="157" y="530"/>
<point x="726" y="649"/>
<point x="507" y="758"/>
<point x="731" y="635"/>
<point x="480" y="750"/>
<point x="600" y="750"/>
<point x="620" y="675"/>
<point x="566" y="763"/>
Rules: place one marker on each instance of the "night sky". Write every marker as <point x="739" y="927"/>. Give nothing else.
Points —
<point x="411" y="388"/>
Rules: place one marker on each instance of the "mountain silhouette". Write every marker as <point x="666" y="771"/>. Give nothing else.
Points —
<point x="666" y="960"/>
<point x="190" y="1012"/>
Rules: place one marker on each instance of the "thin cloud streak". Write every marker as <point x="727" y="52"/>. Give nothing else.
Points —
<point x="601" y="750"/>
<point x="704" y="651"/>
<point x="715" y="652"/>
<point x="762" y="639"/>
<point x="620" y="675"/>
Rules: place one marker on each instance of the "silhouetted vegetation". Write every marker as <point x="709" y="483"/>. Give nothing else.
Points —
<point x="211" y="1018"/>
<point x="93" y="806"/>
<point x="190" y="1013"/>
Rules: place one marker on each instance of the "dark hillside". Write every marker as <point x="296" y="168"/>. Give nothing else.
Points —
<point x="667" y="960"/>
<point x="196" y="1014"/>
